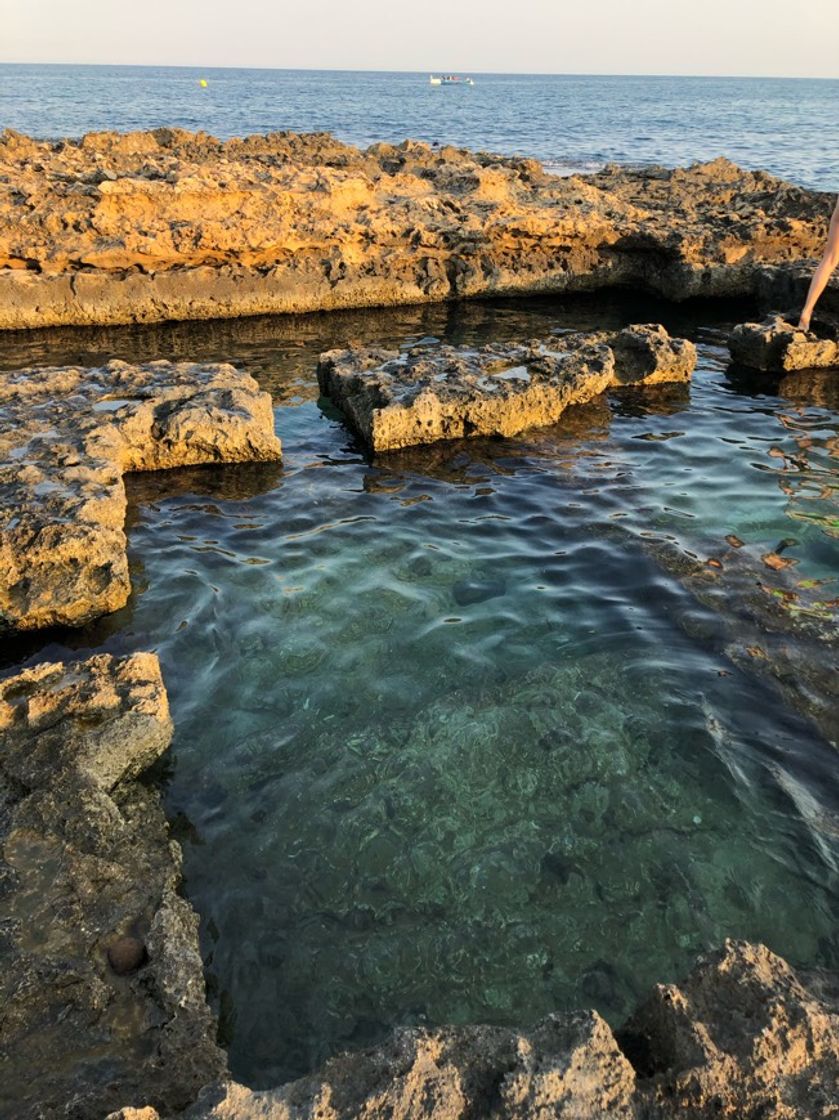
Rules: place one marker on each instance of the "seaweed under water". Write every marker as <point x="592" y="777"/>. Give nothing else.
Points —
<point x="450" y="745"/>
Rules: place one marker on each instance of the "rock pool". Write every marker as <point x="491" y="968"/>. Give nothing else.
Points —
<point x="451" y="745"/>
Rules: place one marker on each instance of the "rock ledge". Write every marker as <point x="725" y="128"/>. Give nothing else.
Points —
<point x="67" y="435"/>
<point x="168" y="224"/>
<point x="447" y="392"/>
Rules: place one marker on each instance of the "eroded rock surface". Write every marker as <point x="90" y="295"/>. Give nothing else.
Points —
<point x="446" y="392"/>
<point x="743" y="1036"/>
<point x="778" y="346"/>
<point x="86" y="865"/>
<point x="67" y="435"/>
<point x="569" y="1066"/>
<point x="147" y="226"/>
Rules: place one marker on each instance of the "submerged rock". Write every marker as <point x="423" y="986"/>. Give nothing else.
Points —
<point x="760" y="606"/>
<point x="779" y="347"/>
<point x="467" y="591"/>
<point x="394" y="400"/>
<point x="101" y="979"/>
<point x="67" y="435"/>
<point x="142" y="227"/>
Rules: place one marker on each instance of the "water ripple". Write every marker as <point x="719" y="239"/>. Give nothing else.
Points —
<point x="451" y="745"/>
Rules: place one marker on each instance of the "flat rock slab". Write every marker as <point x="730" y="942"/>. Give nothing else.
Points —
<point x="779" y="347"/>
<point x="398" y="400"/>
<point x="67" y="435"/>
<point x="101" y="979"/>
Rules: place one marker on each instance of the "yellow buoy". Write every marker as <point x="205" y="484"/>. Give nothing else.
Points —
<point x="203" y="83"/>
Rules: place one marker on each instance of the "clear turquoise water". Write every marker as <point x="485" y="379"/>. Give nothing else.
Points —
<point x="570" y="121"/>
<point x="448" y="748"/>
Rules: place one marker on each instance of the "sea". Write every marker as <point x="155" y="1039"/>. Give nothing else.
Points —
<point x="571" y="122"/>
<point x="451" y="744"/>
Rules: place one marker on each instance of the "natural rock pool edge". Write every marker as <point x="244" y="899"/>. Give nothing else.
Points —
<point x="86" y="842"/>
<point x="67" y="436"/>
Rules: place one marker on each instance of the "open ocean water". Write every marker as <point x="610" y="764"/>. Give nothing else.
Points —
<point x="788" y="126"/>
<point x="450" y="745"/>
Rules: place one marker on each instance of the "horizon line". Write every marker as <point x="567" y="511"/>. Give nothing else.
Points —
<point x="464" y="72"/>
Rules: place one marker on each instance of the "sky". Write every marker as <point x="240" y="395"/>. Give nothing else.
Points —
<point x="734" y="37"/>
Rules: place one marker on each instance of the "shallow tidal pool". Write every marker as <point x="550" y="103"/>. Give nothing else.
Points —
<point x="450" y="745"/>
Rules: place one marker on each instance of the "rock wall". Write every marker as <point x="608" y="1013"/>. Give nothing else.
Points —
<point x="101" y="981"/>
<point x="143" y="227"/>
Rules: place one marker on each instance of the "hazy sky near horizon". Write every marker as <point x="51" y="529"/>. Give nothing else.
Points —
<point x="736" y="37"/>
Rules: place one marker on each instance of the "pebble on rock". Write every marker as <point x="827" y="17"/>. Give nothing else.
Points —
<point x="126" y="954"/>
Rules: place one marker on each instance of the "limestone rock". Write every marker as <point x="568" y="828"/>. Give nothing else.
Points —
<point x="66" y="437"/>
<point x="169" y="224"/>
<point x="778" y="346"/>
<point x="569" y="1067"/>
<point x="120" y="706"/>
<point x="85" y="862"/>
<point x="448" y="392"/>
<point x="743" y="1036"/>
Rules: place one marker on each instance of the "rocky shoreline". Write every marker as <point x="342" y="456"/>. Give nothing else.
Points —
<point x="103" y="993"/>
<point x="101" y="980"/>
<point x="743" y="1036"/>
<point x="395" y="401"/>
<point x="164" y="225"/>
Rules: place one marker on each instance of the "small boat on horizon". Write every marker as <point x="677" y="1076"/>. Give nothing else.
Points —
<point x="450" y="80"/>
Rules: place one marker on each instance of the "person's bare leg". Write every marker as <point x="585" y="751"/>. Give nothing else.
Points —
<point x="823" y="273"/>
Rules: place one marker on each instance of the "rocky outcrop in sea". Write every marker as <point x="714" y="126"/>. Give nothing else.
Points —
<point x="429" y="394"/>
<point x="777" y="346"/>
<point x="68" y="435"/>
